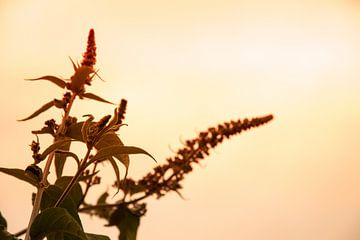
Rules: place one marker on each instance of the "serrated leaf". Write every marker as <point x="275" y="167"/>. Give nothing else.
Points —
<point x="95" y="97"/>
<point x="59" y="82"/>
<point x="106" y="152"/>
<point x="55" y="220"/>
<point x="53" y="193"/>
<point x="60" y="158"/>
<point x="39" y="111"/>
<point x="91" y="236"/>
<point x="20" y="174"/>
<point x="55" y="146"/>
<point x="126" y="222"/>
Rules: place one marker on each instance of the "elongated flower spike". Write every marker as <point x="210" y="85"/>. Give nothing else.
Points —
<point x="89" y="57"/>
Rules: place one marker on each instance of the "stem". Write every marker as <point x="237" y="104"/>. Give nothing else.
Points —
<point x="74" y="179"/>
<point x="44" y="182"/>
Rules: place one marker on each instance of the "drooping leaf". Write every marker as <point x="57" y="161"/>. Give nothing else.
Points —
<point x="60" y="158"/>
<point x="91" y="236"/>
<point x="53" y="193"/>
<point x="116" y="171"/>
<point x="111" y="139"/>
<point x="126" y="221"/>
<point x="95" y="97"/>
<point x="20" y="174"/>
<point x="106" y="152"/>
<point x="59" y="82"/>
<point x="40" y="110"/>
<point x="55" y="146"/>
<point x="56" y="220"/>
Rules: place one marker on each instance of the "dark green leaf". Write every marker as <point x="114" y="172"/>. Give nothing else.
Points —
<point x="5" y="235"/>
<point x="91" y="236"/>
<point x="56" y="220"/>
<point x="53" y="193"/>
<point x="60" y="158"/>
<point x="59" y="82"/>
<point x="106" y="152"/>
<point x="95" y="97"/>
<point x="126" y="221"/>
<point x="3" y="222"/>
<point x="55" y="146"/>
<point x="76" y="192"/>
<point x="42" y="109"/>
<point x="20" y="174"/>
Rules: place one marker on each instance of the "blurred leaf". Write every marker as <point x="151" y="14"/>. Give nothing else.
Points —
<point x="95" y="97"/>
<point x="5" y="235"/>
<point x="3" y="222"/>
<point x="60" y="158"/>
<point x="42" y="109"/>
<point x="53" y="193"/>
<point x="75" y="66"/>
<point x="55" y="146"/>
<point x="91" y="236"/>
<point x="126" y="222"/>
<point x="56" y="220"/>
<point x="106" y="152"/>
<point x="59" y="82"/>
<point x="20" y="174"/>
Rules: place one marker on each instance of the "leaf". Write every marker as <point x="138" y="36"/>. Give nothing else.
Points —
<point x="111" y="139"/>
<point x="74" y="131"/>
<point x="91" y="236"/>
<point x="3" y="222"/>
<point x="75" y="193"/>
<point x="53" y="193"/>
<point x="126" y="222"/>
<point x="41" y="110"/>
<point x="59" y="82"/>
<point x="74" y="65"/>
<point x="20" y="174"/>
<point x="60" y="158"/>
<point x="5" y="235"/>
<point x="56" y="220"/>
<point x="44" y="130"/>
<point x="106" y="152"/>
<point x="55" y="146"/>
<point x="95" y="97"/>
<point x="85" y="127"/>
<point x="116" y="170"/>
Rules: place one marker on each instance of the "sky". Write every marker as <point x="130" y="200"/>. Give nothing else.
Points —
<point x="184" y="66"/>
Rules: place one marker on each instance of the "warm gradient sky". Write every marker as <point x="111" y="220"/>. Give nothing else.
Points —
<point x="184" y="65"/>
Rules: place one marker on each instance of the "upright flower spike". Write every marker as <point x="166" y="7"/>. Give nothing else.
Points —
<point x="89" y="59"/>
<point x="86" y="71"/>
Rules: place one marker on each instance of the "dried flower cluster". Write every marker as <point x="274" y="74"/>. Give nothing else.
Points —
<point x="167" y="177"/>
<point x="89" y="57"/>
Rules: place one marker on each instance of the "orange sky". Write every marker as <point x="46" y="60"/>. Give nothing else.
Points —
<point x="186" y="65"/>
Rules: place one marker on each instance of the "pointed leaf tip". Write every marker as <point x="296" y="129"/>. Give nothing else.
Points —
<point x="39" y="111"/>
<point x="95" y="97"/>
<point x="57" y="81"/>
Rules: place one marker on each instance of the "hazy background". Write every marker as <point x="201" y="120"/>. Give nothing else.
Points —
<point x="184" y="65"/>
